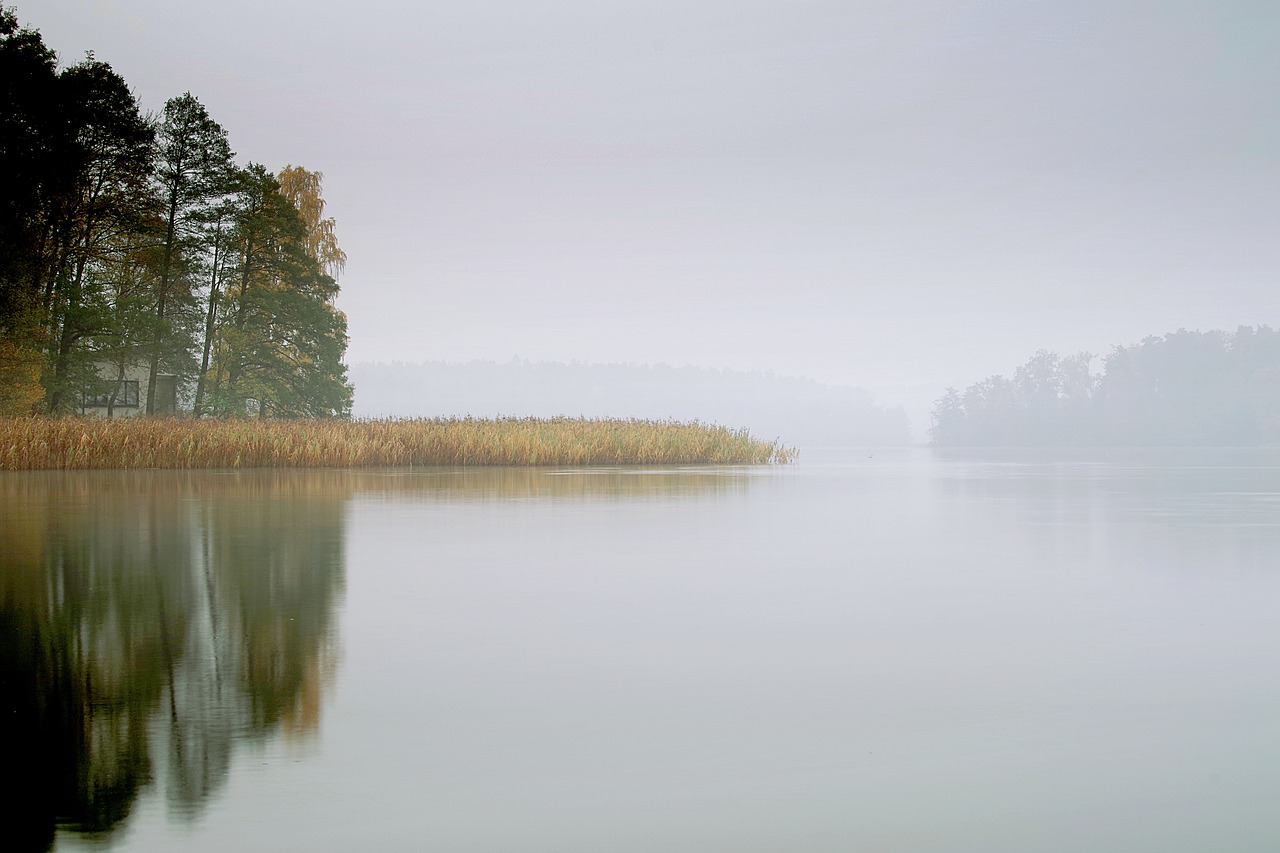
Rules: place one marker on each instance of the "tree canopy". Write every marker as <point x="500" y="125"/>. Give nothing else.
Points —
<point x="1186" y="388"/>
<point x="134" y="241"/>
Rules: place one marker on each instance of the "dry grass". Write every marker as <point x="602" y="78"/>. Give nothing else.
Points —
<point x="88" y="443"/>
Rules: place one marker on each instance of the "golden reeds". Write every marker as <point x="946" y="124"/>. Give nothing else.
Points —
<point x="86" y="443"/>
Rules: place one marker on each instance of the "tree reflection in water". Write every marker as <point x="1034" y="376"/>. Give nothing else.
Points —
<point x="149" y="623"/>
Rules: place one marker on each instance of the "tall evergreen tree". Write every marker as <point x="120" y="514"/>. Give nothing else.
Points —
<point x="29" y="115"/>
<point x="193" y="166"/>
<point x="220" y="237"/>
<point x="100" y="214"/>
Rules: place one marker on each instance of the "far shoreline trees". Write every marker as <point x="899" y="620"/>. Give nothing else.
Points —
<point x="134" y="242"/>
<point x="1184" y="389"/>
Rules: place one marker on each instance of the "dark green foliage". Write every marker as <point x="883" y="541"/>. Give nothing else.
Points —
<point x="129" y="242"/>
<point x="99" y="217"/>
<point x="30" y="140"/>
<point x="33" y="158"/>
<point x="193" y="173"/>
<point x="279" y="345"/>
<point x="1187" y="388"/>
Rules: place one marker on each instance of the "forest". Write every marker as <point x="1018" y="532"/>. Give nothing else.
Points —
<point x="1184" y="389"/>
<point x="133" y="244"/>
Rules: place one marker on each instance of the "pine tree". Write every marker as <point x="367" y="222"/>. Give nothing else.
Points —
<point x="99" y="214"/>
<point x="28" y="117"/>
<point x="193" y="165"/>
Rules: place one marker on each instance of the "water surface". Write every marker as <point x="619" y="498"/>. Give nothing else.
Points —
<point x="898" y="651"/>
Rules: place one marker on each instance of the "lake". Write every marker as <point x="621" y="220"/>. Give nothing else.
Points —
<point x="890" y="650"/>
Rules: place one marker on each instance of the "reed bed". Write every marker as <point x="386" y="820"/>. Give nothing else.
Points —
<point x="91" y="443"/>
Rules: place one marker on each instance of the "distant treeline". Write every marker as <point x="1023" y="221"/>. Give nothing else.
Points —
<point x="799" y="411"/>
<point x="133" y="246"/>
<point x="1187" y="388"/>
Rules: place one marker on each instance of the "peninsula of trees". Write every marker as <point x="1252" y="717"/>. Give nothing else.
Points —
<point x="132" y="241"/>
<point x="1185" y="389"/>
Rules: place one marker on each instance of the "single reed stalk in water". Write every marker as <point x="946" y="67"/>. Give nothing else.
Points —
<point x="82" y="443"/>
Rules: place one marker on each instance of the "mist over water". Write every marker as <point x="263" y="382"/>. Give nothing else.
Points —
<point x="885" y="649"/>
<point x="796" y="411"/>
<point x="901" y="649"/>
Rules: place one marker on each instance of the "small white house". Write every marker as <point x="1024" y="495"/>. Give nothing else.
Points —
<point x="128" y="396"/>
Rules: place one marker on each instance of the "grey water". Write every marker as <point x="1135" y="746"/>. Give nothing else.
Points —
<point x="902" y="650"/>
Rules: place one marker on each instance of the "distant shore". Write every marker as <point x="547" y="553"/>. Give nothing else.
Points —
<point x="189" y="443"/>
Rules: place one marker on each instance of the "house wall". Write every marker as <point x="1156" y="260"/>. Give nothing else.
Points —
<point x="131" y="394"/>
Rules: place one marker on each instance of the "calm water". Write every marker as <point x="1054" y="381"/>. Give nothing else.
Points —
<point x="908" y="652"/>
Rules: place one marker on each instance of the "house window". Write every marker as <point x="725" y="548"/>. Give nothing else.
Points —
<point x="126" y="396"/>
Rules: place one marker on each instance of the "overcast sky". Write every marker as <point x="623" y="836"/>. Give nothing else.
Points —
<point x="886" y="194"/>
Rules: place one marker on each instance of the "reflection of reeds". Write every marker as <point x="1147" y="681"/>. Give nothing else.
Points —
<point x="457" y="485"/>
<point x="78" y="443"/>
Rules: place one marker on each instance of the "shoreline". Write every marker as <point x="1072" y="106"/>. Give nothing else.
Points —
<point x="88" y="443"/>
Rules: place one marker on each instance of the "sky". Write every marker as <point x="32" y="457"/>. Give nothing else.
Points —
<point x="889" y="194"/>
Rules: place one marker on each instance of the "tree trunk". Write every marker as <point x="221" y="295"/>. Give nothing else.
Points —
<point x="71" y="331"/>
<point x="211" y="316"/>
<point x="165" y="268"/>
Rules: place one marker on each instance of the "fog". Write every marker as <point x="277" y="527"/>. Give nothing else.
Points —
<point x="894" y="196"/>
<point x="793" y="411"/>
